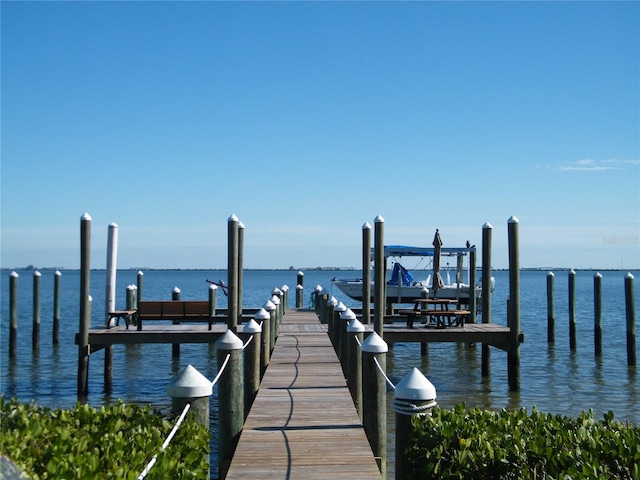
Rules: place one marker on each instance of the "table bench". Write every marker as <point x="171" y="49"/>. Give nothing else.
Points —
<point x="175" y="310"/>
<point x="441" y="318"/>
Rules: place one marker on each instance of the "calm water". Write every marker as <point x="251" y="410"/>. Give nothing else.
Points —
<point x="552" y="377"/>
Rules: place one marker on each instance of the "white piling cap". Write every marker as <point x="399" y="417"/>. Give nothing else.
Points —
<point x="299" y="287"/>
<point x="487" y="225"/>
<point x="598" y="275"/>
<point x="340" y="307"/>
<point x="318" y="288"/>
<point x="366" y="226"/>
<point x="262" y="314"/>
<point x="14" y="274"/>
<point x="140" y="272"/>
<point x="379" y="219"/>
<point x="332" y="301"/>
<point x="252" y="327"/>
<point x="629" y="275"/>
<point x="213" y="287"/>
<point x="276" y="291"/>
<point x="572" y="272"/>
<point x="37" y="274"/>
<point x="190" y="384"/>
<point x="113" y="225"/>
<point x="176" y="290"/>
<point x="229" y="341"/>
<point x="269" y="306"/>
<point x="240" y="225"/>
<point x="275" y="299"/>
<point x="285" y="288"/>
<point x="86" y="216"/>
<point x="233" y="218"/>
<point x="551" y="274"/>
<point x="355" y="326"/>
<point x="513" y="219"/>
<point x="57" y="274"/>
<point x="415" y="386"/>
<point x="374" y="344"/>
<point x="347" y="315"/>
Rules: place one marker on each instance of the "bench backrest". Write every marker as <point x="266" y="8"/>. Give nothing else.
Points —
<point x="174" y="308"/>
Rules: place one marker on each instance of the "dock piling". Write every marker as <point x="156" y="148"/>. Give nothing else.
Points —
<point x="56" y="307"/>
<point x="13" y="314"/>
<point x="355" y="336"/>
<point x="487" y="232"/>
<point x="597" y="314"/>
<point x="230" y="398"/>
<point x="35" y="332"/>
<point x="366" y="273"/>
<point x="551" y="315"/>
<point x="85" y="305"/>
<point x="252" y="358"/>
<point x="379" y="277"/>
<point x="572" y="310"/>
<point x="374" y="397"/>
<point x="175" y="347"/>
<point x="513" y="317"/>
<point x="631" y="319"/>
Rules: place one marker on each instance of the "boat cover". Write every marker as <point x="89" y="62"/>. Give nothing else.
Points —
<point x="400" y="273"/>
<point x="408" y="251"/>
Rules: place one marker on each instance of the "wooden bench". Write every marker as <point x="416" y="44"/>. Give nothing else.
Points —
<point x="441" y="318"/>
<point x="175" y="310"/>
<point x="127" y="315"/>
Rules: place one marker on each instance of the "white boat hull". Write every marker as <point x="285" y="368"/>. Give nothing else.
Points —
<point x="407" y="294"/>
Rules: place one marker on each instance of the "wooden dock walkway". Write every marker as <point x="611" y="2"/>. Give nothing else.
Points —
<point x="303" y="423"/>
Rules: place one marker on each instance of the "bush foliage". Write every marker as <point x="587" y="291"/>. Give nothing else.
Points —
<point x="473" y="443"/>
<point x="112" y="442"/>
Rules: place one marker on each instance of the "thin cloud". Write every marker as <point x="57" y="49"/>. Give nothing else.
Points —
<point x="590" y="165"/>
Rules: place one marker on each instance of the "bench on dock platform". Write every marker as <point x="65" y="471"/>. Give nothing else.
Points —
<point x="175" y="310"/>
<point x="441" y="318"/>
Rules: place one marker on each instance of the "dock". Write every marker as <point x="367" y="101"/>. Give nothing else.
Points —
<point x="303" y="422"/>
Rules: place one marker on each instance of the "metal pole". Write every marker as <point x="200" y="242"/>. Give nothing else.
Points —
<point x="379" y="277"/>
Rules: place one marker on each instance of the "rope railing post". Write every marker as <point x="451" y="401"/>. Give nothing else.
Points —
<point x="270" y="308"/>
<point x="374" y="398"/>
<point x="355" y="334"/>
<point x="332" y="303"/>
<point x="346" y="318"/>
<point x="275" y="299"/>
<point x="252" y="333"/>
<point x="414" y="395"/>
<point x="334" y="325"/>
<point x="263" y="317"/>
<point x="230" y="399"/>
<point x="190" y="389"/>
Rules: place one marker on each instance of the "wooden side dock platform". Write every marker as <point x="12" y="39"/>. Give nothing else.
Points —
<point x="303" y="422"/>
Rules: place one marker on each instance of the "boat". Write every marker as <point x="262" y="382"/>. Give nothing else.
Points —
<point x="402" y="287"/>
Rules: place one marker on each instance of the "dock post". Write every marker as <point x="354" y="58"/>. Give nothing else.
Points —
<point x="275" y="326"/>
<point x="316" y="300"/>
<point x="572" y="310"/>
<point x="597" y="314"/>
<point x="472" y="287"/>
<point x="56" y="307"/>
<point x="252" y="359"/>
<point x="300" y="290"/>
<point x="513" y="318"/>
<point x="355" y="335"/>
<point x="414" y="395"/>
<point x="321" y="302"/>
<point x="175" y="347"/>
<point x="344" y="321"/>
<point x="193" y="388"/>
<point x="213" y="300"/>
<point x="35" y="332"/>
<point x="487" y="231"/>
<point x="366" y="273"/>
<point x="240" y="268"/>
<point x="263" y="318"/>
<point x="374" y="397"/>
<point x="139" y="285"/>
<point x="334" y="324"/>
<point x="85" y="305"/>
<point x="13" y="314"/>
<point x="232" y="272"/>
<point x="230" y="399"/>
<point x="551" y="314"/>
<point x="110" y="284"/>
<point x="631" y="319"/>
<point x="332" y="303"/>
<point x="379" y="277"/>
<point x="270" y="330"/>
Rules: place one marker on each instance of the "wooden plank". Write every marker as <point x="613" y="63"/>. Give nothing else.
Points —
<point x="303" y="423"/>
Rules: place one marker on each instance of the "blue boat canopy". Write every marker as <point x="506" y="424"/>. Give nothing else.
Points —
<point x="408" y="251"/>
<point x="400" y="274"/>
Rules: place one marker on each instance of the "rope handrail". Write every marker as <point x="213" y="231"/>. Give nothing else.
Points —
<point x="248" y="342"/>
<point x="221" y="371"/>
<point x="152" y="462"/>
<point x="393" y="387"/>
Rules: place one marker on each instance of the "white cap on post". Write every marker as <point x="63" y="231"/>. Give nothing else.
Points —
<point x="190" y="384"/>
<point x="414" y="394"/>
<point x="374" y="344"/>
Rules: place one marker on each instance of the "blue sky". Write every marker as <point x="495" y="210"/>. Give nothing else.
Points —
<point x="308" y="119"/>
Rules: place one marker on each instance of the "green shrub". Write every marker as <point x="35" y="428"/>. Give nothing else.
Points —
<point x="112" y="442"/>
<point x="473" y="443"/>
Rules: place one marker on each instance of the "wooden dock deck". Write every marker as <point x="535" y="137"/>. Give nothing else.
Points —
<point x="303" y="423"/>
